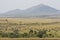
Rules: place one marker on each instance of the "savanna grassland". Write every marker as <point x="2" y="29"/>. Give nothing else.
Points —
<point x="29" y="28"/>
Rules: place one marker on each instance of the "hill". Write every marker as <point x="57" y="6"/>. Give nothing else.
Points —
<point x="41" y="10"/>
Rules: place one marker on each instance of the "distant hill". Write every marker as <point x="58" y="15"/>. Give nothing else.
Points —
<point x="41" y="11"/>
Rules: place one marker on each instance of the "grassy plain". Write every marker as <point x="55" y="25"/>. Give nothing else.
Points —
<point x="24" y="25"/>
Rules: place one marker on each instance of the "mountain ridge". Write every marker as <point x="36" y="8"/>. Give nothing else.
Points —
<point x="35" y="11"/>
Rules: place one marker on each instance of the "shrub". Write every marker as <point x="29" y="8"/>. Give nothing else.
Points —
<point x="42" y="33"/>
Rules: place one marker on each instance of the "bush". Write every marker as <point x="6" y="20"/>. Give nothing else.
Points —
<point x="4" y="35"/>
<point x="42" y="33"/>
<point x="25" y="35"/>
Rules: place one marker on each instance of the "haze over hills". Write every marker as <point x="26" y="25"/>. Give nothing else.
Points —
<point x="41" y="10"/>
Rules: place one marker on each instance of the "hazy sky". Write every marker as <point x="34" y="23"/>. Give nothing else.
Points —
<point x="6" y="5"/>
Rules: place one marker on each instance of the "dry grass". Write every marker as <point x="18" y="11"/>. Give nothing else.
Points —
<point x="29" y="38"/>
<point x="25" y="28"/>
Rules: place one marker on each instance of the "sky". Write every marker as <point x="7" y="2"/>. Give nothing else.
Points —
<point x="7" y="5"/>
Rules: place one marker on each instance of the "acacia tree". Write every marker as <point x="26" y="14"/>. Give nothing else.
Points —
<point x="31" y="33"/>
<point x="15" y="34"/>
<point x="42" y="33"/>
